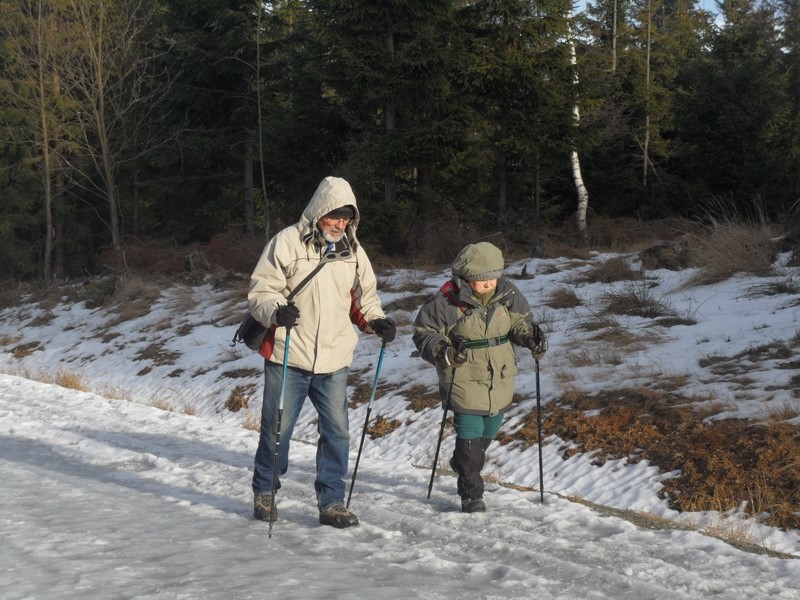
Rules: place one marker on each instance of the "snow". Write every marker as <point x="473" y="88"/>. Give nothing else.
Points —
<point x="104" y="495"/>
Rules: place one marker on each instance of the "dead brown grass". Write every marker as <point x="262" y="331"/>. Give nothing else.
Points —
<point x="722" y="463"/>
<point x="24" y="350"/>
<point x="71" y="380"/>
<point x="731" y="248"/>
<point x="155" y="352"/>
<point x="240" y="397"/>
<point x="563" y="297"/>
<point x="631" y="235"/>
<point x="382" y="426"/>
<point x="419" y="398"/>
<point x="161" y="404"/>
<point x="638" y="300"/>
<point x="134" y="297"/>
<point x="614" y="269"/>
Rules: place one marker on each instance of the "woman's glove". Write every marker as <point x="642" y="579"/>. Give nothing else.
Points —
<point x="453" y="355"/>
<point x="384" y="329"/>
<point x="537" y="343"/>
<point x="287" y="315"/>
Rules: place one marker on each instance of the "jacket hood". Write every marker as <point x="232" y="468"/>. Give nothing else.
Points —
<point x="479" y="261"/>
<point x="332" y="193"/>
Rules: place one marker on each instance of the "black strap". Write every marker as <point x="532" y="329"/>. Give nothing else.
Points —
<point x="495" y="341"/>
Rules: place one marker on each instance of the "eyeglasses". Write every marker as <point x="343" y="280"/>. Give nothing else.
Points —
<point x="335" y="220"/>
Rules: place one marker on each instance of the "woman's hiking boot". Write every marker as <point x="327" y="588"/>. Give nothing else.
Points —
<point x="472" y="505"/>
<point x="468" y="459"/>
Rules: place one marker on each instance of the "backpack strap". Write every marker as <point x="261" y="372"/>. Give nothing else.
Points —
<point x="450" y="290"/>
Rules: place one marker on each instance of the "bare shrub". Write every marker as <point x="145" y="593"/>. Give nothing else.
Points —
<point x="419" y="398"/>
<point x="731" y="248"/>
<point x="155" y="352"/>
<point x="72" y="381"/>
<point x="784" y="285"/>
<point x="239" y="397"/>
<point x="98" y="292"/>
<point x="134" y="297"/>
<point x="189" y="409"/>
<point x="161" y="404"/>
<point x="563" y="297"/>
<point x="637" y="301"/>
<point x="382" y="427"/>
<point x="614" y="269"/>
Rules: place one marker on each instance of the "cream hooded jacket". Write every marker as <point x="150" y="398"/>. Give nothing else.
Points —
<point x="342" y="293"/>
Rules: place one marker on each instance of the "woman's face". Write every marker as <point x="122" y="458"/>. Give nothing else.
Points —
<point x="481" y="286"/>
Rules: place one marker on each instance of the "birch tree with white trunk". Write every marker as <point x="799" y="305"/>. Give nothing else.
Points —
<point x="577" y="177"/>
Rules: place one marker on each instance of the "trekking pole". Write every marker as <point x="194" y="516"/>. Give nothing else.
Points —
<point x="276" y="457"/>
<point x="539" y="432"/>
<point x="366" y="420"/>
<point x="441" y="431"/>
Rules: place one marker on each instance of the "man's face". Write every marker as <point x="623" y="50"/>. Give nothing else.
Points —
<point x="332" y="228"/>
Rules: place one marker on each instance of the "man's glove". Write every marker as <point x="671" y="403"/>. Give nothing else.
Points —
<point x="537" y="343"/>
<point x="287" y="315"/>
<point x="384" y="329"/>
<point x="454" y="355"/>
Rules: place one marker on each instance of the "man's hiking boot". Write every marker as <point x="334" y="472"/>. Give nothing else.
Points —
<point x="264" y="508"/>
<point x="337" y="516"/>
<point x="473" y="505"/>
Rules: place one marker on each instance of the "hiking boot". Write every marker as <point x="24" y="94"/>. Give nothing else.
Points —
<point x="337" y="516"/>
<point x="264" y="508"/>
<point x="472" y="505"/>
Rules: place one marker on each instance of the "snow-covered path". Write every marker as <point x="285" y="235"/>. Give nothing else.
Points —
<point x="110" y="499"/>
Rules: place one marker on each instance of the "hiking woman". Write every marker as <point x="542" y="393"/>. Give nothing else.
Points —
<point x="467" y="329"/>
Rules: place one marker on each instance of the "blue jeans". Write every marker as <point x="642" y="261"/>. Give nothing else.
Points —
<point x="327" y="392"/>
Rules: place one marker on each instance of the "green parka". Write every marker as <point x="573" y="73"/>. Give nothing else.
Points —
<point x="485" y="384"/>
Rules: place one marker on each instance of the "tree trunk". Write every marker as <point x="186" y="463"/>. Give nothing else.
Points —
<point x="583" y="194"/>
<point x="390" y="187"/>
<point x="646" y="143"/>
<point x="502" y="183"/>
<point x="249" y="226"/>
<point x="45" y="143"/>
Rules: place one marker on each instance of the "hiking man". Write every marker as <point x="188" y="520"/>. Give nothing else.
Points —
<point x="318" y="323"/>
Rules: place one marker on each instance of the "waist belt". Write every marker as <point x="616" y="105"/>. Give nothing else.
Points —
<point x="495" y="341"/>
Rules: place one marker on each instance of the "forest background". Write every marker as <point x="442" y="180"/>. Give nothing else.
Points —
<point x="212" y="121"/>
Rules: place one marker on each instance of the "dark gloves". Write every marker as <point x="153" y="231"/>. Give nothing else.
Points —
<point x="454" y="355"/>
<point x="537" y="343"/>
<point x="287" y="315"/>
<point x="384" y="329"/>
